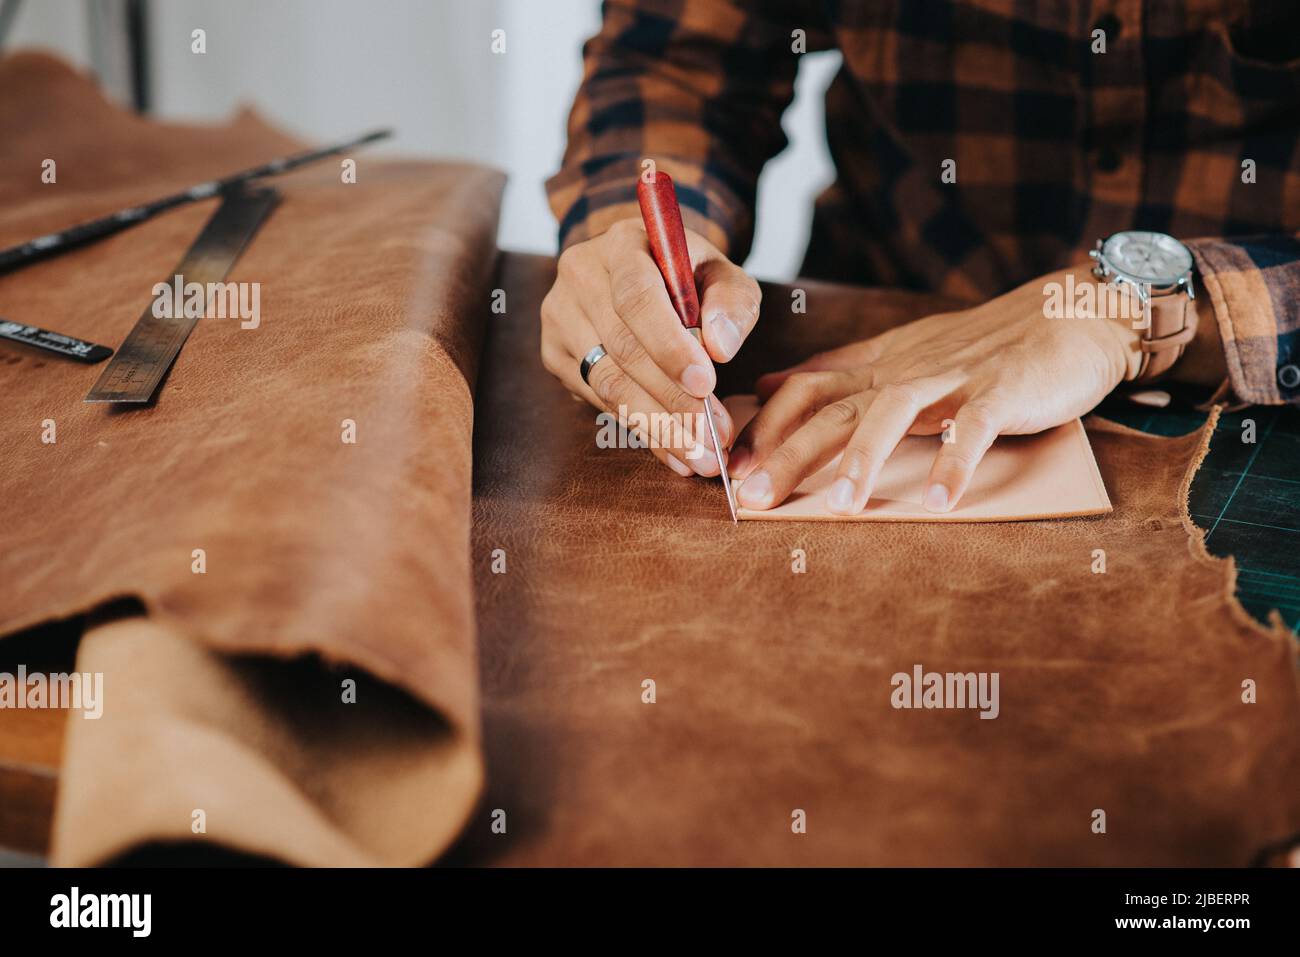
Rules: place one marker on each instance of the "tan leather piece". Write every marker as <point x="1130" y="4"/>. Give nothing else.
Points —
<point x="278" y="765"/>
<point x="354" y="554"/>
<point x="1119" y="691"/>
<point x="1022" y="477"/>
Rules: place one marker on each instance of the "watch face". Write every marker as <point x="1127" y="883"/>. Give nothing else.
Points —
<point x="1148" y="257"/>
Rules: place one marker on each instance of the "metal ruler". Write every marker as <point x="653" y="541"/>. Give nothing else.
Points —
<point x="143" y="359"/>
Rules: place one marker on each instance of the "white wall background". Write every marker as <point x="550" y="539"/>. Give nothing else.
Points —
<point x="326" y="69"/>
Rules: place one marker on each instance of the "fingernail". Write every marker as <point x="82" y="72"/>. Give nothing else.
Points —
<point x="756" y="492"/>
<point x="936" y="498"/>
<point x="840" y="496"/>
<point x="726" y="335"/>
<point x="738" y="460"/>
<point x="697" y="380"/>
<point x="702" y="460"/>
<point x="722" y="418"/>
<point x="706" y="464"/>
<point x="678" y="466"/>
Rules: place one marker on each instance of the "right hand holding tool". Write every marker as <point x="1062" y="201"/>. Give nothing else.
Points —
<point x="609" y="293"/>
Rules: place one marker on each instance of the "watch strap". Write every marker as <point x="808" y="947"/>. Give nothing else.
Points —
<point x="1172" y="327"/>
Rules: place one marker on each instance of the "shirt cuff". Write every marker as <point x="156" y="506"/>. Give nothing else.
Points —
<point x="588" y="205"/>
<point x="1253" y="286"/>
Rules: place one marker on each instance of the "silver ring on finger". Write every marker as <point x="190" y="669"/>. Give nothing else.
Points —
<point x="590" y="359"/>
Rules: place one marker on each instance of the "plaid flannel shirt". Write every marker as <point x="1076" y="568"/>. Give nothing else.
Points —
<point x="1188" y="123"/>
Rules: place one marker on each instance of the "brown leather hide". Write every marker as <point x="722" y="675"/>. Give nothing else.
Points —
<point x="356" y="554"/>
<point x="1119" y="691"/>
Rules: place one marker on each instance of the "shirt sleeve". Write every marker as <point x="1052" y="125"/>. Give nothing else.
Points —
<point x="699" y="87"/>
<point x="1253" y="283"/>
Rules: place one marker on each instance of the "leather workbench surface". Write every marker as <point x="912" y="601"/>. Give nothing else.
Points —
<point x="573" y="574"/>
<point x="1120" y="692"/>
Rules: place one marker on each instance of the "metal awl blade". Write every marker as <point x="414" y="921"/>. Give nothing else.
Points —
<point x="722" y="462"/>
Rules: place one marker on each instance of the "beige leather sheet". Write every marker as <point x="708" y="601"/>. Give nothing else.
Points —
<point x="1022" y="477"/>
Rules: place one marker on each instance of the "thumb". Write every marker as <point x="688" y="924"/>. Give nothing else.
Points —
<point x="729" y="303"/>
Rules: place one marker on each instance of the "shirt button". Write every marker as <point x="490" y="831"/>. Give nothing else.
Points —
<point x="1109" y="24"/>
<point x="1289" y="376"/>
<point x="1108" y="159"/>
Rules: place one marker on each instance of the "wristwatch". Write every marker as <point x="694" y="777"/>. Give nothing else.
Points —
<point x="1159" y="268"/>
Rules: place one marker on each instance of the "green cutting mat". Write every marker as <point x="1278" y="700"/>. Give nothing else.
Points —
<point x="1246" y="497"/>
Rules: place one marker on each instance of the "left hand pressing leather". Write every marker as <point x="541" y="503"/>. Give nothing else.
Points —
<point x="1000" y="368"/>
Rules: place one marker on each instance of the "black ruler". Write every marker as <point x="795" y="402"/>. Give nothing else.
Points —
<point x="59" y="344"/>
<point x="152" y="345"/>
<point x="54" y="243"/>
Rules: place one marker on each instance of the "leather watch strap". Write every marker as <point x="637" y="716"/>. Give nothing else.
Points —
<point x="1173" y="326"/>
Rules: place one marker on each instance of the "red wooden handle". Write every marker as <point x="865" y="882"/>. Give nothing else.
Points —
<point x="663" y="225"/>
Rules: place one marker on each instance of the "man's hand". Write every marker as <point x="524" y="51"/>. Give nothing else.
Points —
<point x="608" y="291"/>
<point x="1001" y="368"/>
